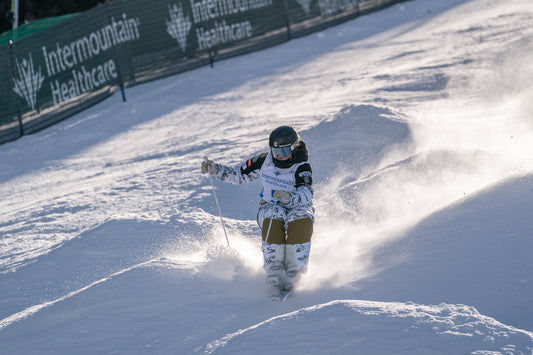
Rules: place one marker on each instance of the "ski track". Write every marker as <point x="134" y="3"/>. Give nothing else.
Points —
<point x="30" y="311"/>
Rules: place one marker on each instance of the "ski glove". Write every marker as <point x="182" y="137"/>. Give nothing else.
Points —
<point x="283" y="197"/>
<point x="208" y="166"/>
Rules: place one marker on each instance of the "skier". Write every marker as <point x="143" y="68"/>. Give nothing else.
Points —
<point x="286" y="212"/>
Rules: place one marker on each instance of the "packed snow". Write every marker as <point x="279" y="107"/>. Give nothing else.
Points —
<point x="418" y="119"/>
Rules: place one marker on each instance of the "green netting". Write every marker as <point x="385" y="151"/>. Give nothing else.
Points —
<point x="64" y="68"/>
<point x="30" y="28"/>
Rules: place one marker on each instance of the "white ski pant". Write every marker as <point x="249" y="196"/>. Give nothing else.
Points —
<point x="286" y="237"/>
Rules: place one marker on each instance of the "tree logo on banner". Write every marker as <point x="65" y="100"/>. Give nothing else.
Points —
<point x="306" y="5"/>
<point x="29" y="82"/>
<point x="179" y="26"/>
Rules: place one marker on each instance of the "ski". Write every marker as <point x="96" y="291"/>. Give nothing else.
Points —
<point x="282" y="287"/>
<point x="281" y="296"/>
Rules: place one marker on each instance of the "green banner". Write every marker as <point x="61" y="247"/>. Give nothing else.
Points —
<point x="59" y="65"/>
<point x="63" y="69"/>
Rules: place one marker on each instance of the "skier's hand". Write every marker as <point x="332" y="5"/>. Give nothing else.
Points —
<point x="208" y="166"/>
<point x="284" y="197"/>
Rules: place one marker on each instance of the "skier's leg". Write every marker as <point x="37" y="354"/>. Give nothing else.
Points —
<point x="273" y="241"/>
<point x="298" y="247"/>
<point x="300" y="231"/>
<point x="275" y="229"/>
<point x="273" y="256"/>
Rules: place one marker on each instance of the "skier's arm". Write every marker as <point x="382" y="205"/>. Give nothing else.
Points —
<point x="303" y="194"/>
<point x="240" y="174"/>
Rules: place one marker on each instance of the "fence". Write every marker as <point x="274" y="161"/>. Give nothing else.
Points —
<point x="59" y="71"/>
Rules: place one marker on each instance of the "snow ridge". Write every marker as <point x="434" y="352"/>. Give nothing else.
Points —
<point x="349" y="319"/>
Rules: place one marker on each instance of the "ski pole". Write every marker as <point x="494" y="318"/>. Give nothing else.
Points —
<point x="218" y="206"/>
<point x="270" y="224"/>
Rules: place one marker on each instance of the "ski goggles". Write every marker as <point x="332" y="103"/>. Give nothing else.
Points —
<point x="283" y="152"/>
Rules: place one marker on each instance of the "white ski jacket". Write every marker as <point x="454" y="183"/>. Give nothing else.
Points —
<point x="297" y="178"/>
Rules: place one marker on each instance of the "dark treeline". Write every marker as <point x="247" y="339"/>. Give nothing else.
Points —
<point x="30" y="10"/>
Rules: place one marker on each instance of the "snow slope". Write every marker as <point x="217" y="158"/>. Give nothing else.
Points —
<point x="418" y="122"/>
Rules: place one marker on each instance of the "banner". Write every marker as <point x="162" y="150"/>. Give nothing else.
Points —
<point x="63" y="69"/>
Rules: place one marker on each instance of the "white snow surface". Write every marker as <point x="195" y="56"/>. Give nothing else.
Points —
<point x="418" y="119"/>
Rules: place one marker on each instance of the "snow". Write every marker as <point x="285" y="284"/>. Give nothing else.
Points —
<point x="418" y="122"/>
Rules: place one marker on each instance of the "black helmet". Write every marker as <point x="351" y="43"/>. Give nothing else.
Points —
<point x="283" y="141"/>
